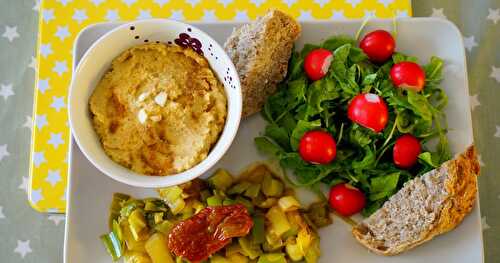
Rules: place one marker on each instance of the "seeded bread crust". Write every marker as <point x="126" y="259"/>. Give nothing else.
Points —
<point x="260" y="51"/>
<point x="461" y="189"/>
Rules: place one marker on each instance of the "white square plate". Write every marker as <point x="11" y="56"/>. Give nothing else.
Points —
<point x="90" y="191"/>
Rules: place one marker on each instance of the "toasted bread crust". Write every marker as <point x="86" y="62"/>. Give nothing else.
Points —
<point x="260" y="52"/>
<point x="461" y="185"/>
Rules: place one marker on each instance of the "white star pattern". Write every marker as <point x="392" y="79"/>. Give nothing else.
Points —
<point x="1" y="213"/>
<point x="97" y="2"/>
<point x="36" y="6"/>
<point x="470" y="43"/>
<point x="58" y="103"/>
<point x="338" y="15"/>
<point x="161" y="2"/>
<point x="321" y="3"/>
<point x="38" y="158"/>
<point x="24" y="184"/>
<point x="3" y="152"/>
<point x="369" y="14"/>
<point x="480" y="160"/>
<point x="438" y="12"/>
<point x="23" y="248"/>
<point x="28" y="122"/>
<point x="241" y="16"/>
<point x="56" y="218"/>
<point x="41" y="121"/>
<point x="401" y="13"/>
<point x="209" y="16"/>
<point x="112" y="15"/>
<point x="495" y="73"/>
<point x="225" y="2"/>
<point x="55" y="140"/>
<point x="144" y="14"/>
<point x="43" y="85"/>
<point x="497" y="133"/>
<point x="386" y="3"/>
<point x="177" y="15"/>
<point x="80" y="15"/>
<point x="305" y="15"/>
<point x="64" y="2"/>
<point x="354" y="3"/>
<point x="6" y="90"/>
<point x="36" y="196"/>
<point x="32" y="63"/>
<point x="53" y="177"/>
<point x="493" y="15"/>
<point x="193" y="2"/>
<point x="60" y="67"/>
<point x="257" y="2"/>
<point x="10" y="33"/>
<point x="62" y="32"/>
<point x="129" y="2"/>
<point x="45" y="49"/>
<point x="47" y="14"/>
<point x="474" y="101"/>
<point x="289" y="3"/>
<point x="484" y="225"/>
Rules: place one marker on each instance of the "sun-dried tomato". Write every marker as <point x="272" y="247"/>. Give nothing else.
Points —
<point x="205" y="233"/>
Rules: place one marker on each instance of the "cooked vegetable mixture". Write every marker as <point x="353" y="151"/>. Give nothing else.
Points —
<point x="360" y="116"/>
<point x="281" y="230"/>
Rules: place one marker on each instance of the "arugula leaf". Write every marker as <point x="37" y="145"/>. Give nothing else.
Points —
<point x="301" y="128"/>
<point x="335" y="42"/>
<point x="279" y="135"/>
<point x="266" y="146"/>
<point x="398" y="57"/>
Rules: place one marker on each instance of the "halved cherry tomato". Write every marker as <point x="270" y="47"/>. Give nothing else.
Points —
<point x="205" y="233"/>
<point x="369" y="110"/>
<point x="378" y="45"/>
<point x="347" y="200"/>
<point x="408" y="75"/>
<point x="317" y="63"/>
<point x="405" y="151"/>
<point x="317" y="147"/>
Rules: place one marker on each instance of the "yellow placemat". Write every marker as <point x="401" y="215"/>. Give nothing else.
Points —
<point x="60" y="22"/>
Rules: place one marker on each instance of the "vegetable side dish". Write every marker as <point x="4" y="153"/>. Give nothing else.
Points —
<point x="252" y="218"/>
<point x="357" y="117"/>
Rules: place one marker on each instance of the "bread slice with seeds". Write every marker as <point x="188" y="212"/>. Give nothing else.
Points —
<point x="260" y="51"/>
<point x="425" y="207"/>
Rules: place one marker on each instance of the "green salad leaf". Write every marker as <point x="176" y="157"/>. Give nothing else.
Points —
<point x="364" y="158"/>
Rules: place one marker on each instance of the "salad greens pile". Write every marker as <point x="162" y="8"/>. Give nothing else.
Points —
<point x="364" y="158"/>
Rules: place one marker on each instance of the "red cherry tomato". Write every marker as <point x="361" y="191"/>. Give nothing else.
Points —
<point x="408" y="75"/>
<point x="317" y="147"/>
<point x="368" y="110"/>
<point x="406" y="151"/>
<point x="346" y="199"/>
<point x="317" y="63"/>
<point x="378" y="45"/>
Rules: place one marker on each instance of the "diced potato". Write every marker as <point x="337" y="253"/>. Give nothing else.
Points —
<point x="293" y="250"/>
<point x="304" y="239"/>
<point x="239" y="188"/>
<point x="136" y="257"/>
<point x="288" y="203"/>
<point x="130" y="242"/>
<point x="239" y="258"/>
<point x="278" y="220"/>
<point x="137" y="224"/>
<point x="221" y="180"/>
<point x="272" y="258"/>
<point x="272" y="187"/>
<point x="157" y="249"/>
<point x="218" y="259"/>
<point x="250" y="250"/>
<point x="252" y="191"/>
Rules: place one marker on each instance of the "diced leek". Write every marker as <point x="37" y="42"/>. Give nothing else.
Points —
<point x="319" y="214"/>
<point x="173" y="197"/>
<point x="258" y="230"/>
<point x="158" y="217"/>
<point x="272" y="258"/>
<point x="164" y="227"/>
<point x="234" y="248"/>
<point x="137" y="224"/>
<point x="116" y="206"/>
<point x="293" y="250"/>
<point x="270" y="201"/>
<point x="154" y="204"/>
<point x="257" y="174"/>
<point x="157" y="249"/>
<point x="197" y="206"/>
<point x="187" y="211"/>
<point x="179" y="260"/>
<point x="288" y="203"/>
<point x="132" y="244"/>
<point x="129" y="206"/>
<point x="278" y="219"/>
<point x="113" y="245"/>
<point x="304" y="239"/>
<point x="296" y="221"/>
<point x="136" y="257"/>
<point x="313" y="253"/>
<point x="221" y="180"/>
<point x="271" y="186"/>
<point x="218" y="259"/>
<point x="239" y="258"/>
<point x="252" y="191"/>
<point x="214" y="200"/>
<point x="117" y="230"/>
<point x="250" y="250"/>
<point x="246" y="203"/>
<point x="228" y="201"/>
<point x="273" y="241"/>
<point x="239" y="188"/>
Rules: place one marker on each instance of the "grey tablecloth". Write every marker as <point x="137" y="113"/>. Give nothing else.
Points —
<point x="28" y="236"/>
